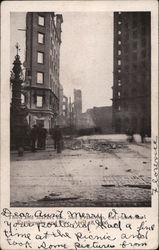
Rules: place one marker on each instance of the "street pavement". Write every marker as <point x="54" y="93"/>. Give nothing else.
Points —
<point x="116" y="177"/>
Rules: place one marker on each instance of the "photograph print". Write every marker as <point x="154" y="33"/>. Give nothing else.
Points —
<point x="80" y="109"/>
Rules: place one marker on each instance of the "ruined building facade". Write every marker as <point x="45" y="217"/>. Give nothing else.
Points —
<point x="42" y="87"/>
<point x="132" y="72"/>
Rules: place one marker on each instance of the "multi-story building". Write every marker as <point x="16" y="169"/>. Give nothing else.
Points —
<point x="77" y="105"/>
<point x="42" y="87"/>
<point x="77" y="101"/>
<point x="60" y="104"/>
<point x="71" y="114"/>
<point x="65" y="112"/>
<point x="132" y="72"/>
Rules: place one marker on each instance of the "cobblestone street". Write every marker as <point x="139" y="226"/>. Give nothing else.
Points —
<point x="119" y="177"/>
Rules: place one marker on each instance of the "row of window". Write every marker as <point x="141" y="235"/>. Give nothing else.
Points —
<point x="143" y="81"/>
<point x="39" y="100"/>
<point x="134" y="92"/>
<point x="134" y="64"/>
<point x="126" y="107"/>
<point x="126" y="38"/>
<point x="135" y="21"/>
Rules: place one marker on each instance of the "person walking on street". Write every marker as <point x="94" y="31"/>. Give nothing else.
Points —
<point x="33" y="137"/>
<point x="42" y="132"/>
<point x="57" y="137"/>
<point x="142" y="134"/>
<point x="43" y="137"/>
<point x="39" y="141"/>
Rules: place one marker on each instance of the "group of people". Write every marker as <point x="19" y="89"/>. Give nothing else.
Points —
<point x="130" y="134"/>
<point x="38" y="136"/>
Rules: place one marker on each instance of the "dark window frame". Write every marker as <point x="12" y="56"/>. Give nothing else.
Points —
<point x="41" y="33"/>
<point x="40" y="15"/>
<point x="41" y="52"/>
<point x="42" y="101"/>
<point x="37" y="77"/>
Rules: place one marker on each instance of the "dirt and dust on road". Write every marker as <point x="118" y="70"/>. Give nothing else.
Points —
<point x="90" y="171"/>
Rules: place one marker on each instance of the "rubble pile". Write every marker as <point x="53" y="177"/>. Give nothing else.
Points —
<point x="93" y="145"/>
<point x="102" y="146"/>
<point x="73" y="144"/>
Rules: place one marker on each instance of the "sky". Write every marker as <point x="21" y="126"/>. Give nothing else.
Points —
<point x="86" y="54"/>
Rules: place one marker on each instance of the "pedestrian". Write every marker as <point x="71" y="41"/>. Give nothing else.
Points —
<point x="43" y="137"/>
<point x="33" y="137"/>
<point x="42" y="132"/>
<point x="57" y="137"/>
<point x="130" y="134"/>
<point x="142" y="134"/>
<point x="39" y="141"/>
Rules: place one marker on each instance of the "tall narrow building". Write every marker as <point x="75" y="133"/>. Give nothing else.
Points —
<point x="132" y="72"/>
<point x="78" y="101"/>
<point x="42" y="88"/>
<point x="77" y="106"/>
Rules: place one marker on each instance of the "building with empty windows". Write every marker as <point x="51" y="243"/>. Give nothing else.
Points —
<point x="132" y="72"/>
<point x="42" y="83"/>
<point x="63" y="109"/>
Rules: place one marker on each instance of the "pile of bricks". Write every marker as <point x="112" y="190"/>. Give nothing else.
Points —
<point x="93" y="145"/>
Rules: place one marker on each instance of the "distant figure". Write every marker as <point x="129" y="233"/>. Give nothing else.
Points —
<point x="57" y="137"/>
<point x="142" y="134"/>
<point x="33" y="137"/>
<point x="130" y="134"/>
<point x="42" y="132"/>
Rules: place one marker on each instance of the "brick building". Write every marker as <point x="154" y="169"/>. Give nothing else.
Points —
<point x="132" y="72"/>
<point x="42" y="87"/>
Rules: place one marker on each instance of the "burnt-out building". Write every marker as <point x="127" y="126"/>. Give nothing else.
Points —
<point x="42" y="83"/>
<point x="132" y="72"/>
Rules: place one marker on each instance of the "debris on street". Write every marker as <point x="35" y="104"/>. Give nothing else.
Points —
<point x="93" y="145"/>
<point x="128" y="170"/>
